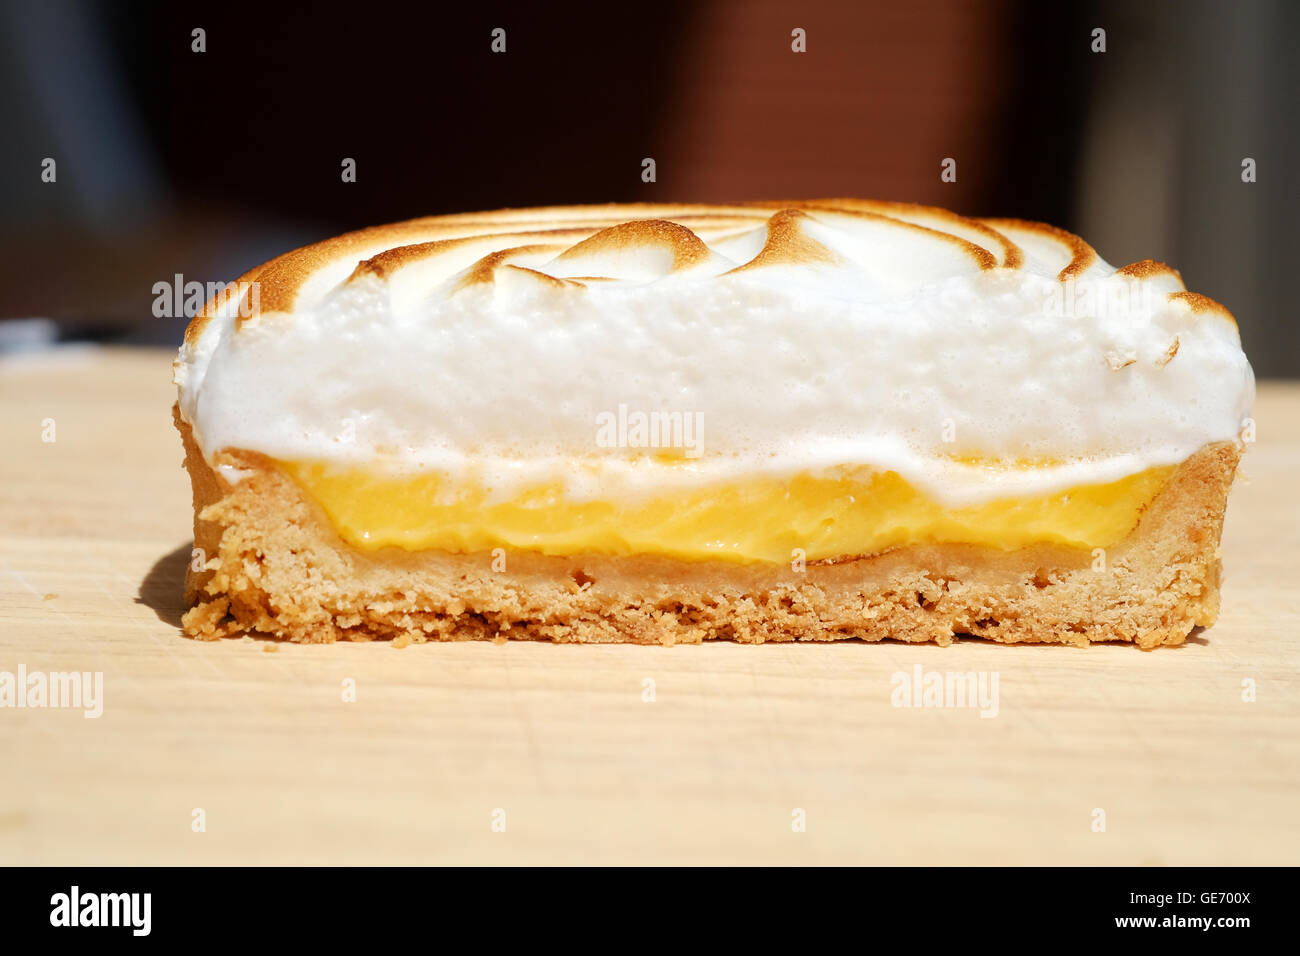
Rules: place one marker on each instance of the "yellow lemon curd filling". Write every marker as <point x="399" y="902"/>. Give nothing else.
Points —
<point x="850" y="511"/>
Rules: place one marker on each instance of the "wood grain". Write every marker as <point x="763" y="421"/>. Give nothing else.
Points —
<point x="94" y="535"/>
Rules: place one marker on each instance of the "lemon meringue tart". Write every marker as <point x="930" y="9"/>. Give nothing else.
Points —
<point x="767" y="421"/>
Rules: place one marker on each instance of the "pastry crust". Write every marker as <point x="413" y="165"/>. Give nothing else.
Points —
<point x="275" y="567"/>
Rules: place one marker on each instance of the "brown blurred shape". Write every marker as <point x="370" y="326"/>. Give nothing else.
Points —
<point x="883" y="94"/>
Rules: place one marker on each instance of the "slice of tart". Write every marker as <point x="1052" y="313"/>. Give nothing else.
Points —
<point x="805" y="420"/>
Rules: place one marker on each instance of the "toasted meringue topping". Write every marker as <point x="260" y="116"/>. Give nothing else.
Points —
<point x="803" y="334"/>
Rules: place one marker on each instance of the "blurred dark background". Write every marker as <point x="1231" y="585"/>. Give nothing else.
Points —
<point x="171" y="161"/>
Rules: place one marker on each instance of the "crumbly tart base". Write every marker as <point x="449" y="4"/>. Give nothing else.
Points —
<point x="276" y="567"/>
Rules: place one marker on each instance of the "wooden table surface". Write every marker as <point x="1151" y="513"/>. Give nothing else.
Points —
<point x="445" y="743"/>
